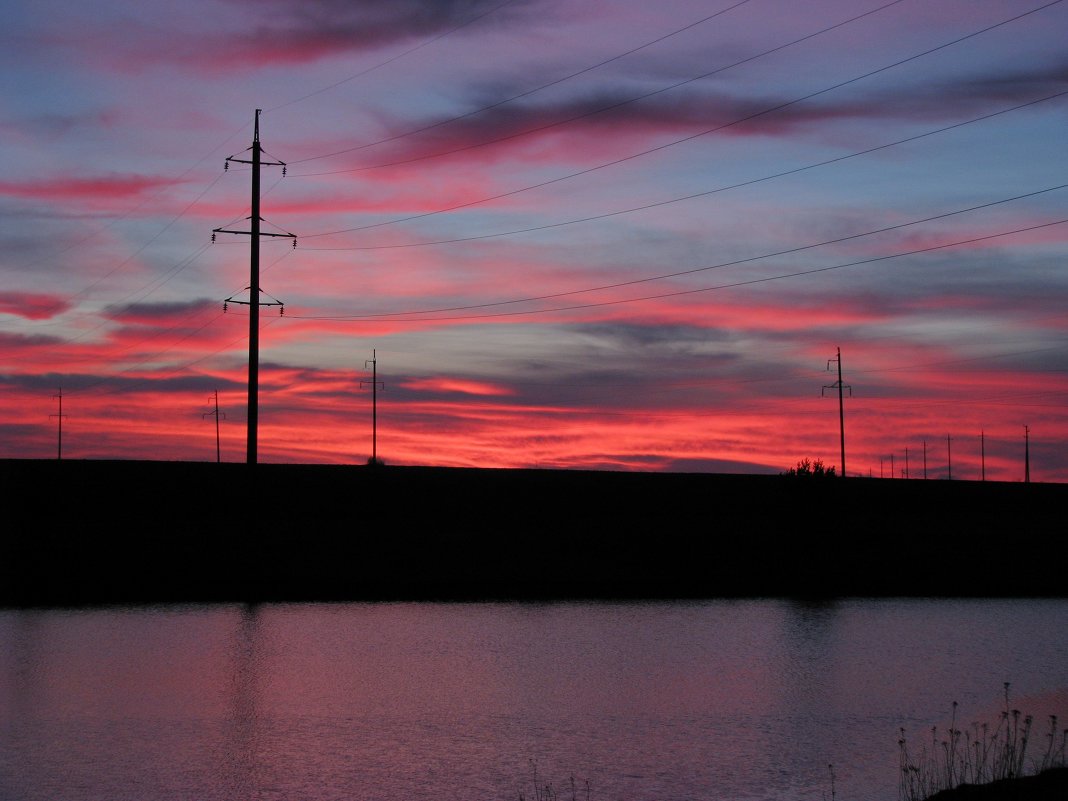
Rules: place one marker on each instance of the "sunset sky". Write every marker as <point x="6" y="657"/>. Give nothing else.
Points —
<point x="614" y="235"/>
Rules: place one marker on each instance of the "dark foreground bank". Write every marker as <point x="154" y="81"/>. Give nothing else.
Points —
<point x="1051" y="785"/>
<point x="99" y="532"/>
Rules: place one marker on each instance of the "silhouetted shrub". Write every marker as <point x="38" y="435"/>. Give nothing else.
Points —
<point x="807" y="467"/>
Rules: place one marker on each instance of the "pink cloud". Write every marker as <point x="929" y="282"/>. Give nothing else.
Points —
<point x="100" y="189"/>
<point x="453" y="385"/>
<point x="33" y="306"/>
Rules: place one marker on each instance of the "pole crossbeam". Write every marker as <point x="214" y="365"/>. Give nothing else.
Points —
<point x="262" y="233"/>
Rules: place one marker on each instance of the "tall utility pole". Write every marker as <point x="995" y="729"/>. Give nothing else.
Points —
<point x="841" y="407"/>
<point x="1027" y="455"/>
<point x="253" y="302"/>
<point x="59" y="419"/>
<point x="218" y="449"/>
<point x="373" y="361"/>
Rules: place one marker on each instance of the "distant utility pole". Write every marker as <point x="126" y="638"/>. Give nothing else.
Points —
<point x="59" y="420"/>
<point x="906" y="462"/>
<point x="925" y="460"/>
<point x="841" y="407"/>
<point x="215" y="411"/>
<point x="1027" y="455"/>
<point x="373" y="361"/>
<point x="982" y="453"/>
<point x="254" y="290"/>
<point x="892" y="473"/>
<point x="949" y="457"/>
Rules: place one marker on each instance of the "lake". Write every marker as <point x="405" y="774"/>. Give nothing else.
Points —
<point x="716" y="700"/>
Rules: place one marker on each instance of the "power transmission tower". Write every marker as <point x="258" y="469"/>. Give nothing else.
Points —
<point x="841" y="408"/>
<point x="373" y="361"/>
<point x="215" y="411"/>
<point x="254" y="290"/>
<point x="1027" y="455"/>
<point x="59" y="420"/>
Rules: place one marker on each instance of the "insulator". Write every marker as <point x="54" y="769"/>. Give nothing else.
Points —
<point x="226" y="166"/>
<point x="213" y="237"/>
<point x="226" y="307"/>
<point x="294" y="243"/>
<point x="283" y="170"/>
<point x="282" y="310"/>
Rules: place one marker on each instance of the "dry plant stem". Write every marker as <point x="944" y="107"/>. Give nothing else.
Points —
<point x="985" y="756"/>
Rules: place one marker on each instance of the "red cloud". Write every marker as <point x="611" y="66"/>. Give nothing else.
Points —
<point x="32" y="306"/>
<point x="115" y="187"/>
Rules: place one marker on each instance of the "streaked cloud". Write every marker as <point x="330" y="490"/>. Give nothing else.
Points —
<point x="565" y="247"/>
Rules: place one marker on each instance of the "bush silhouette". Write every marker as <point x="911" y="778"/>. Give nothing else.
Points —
<point x="807" y="467"/>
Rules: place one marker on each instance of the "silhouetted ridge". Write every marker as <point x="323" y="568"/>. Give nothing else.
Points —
<point x="91" y="532"/>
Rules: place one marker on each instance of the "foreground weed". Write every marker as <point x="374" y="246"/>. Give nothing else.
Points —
<point x="547" y="792"/>
<point x="975" y="755"/>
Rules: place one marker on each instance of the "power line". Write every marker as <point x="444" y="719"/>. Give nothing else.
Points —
<point x="615" y="212"/>
<point x="126" y="214"/>
<point x="733" y="263"/>
<point x="585" y="114"/>
<point x="91" y="387"/>
<point x="679" y="293"/>
<point x="390" y="60"/>
<point x="715" y="129"/>
<point x="529" y="92"/>
<point x="695" y="195"/>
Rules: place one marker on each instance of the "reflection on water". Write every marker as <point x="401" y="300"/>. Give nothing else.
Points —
<point x="719" y="700"/>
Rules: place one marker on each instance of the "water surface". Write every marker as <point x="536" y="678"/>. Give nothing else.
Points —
<point x="717" y="700"/>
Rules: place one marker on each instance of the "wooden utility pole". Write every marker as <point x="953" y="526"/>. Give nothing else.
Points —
<point x="59" y="420"/>
<point x="218" y="448"/>
<point x="373" y="361"/>
<point x="1027" y="455"/>
<point x="841" y="407"/>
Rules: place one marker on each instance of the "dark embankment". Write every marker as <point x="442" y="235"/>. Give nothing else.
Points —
<point x="96" y="532"/>
<point x="1051" y="785"/>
